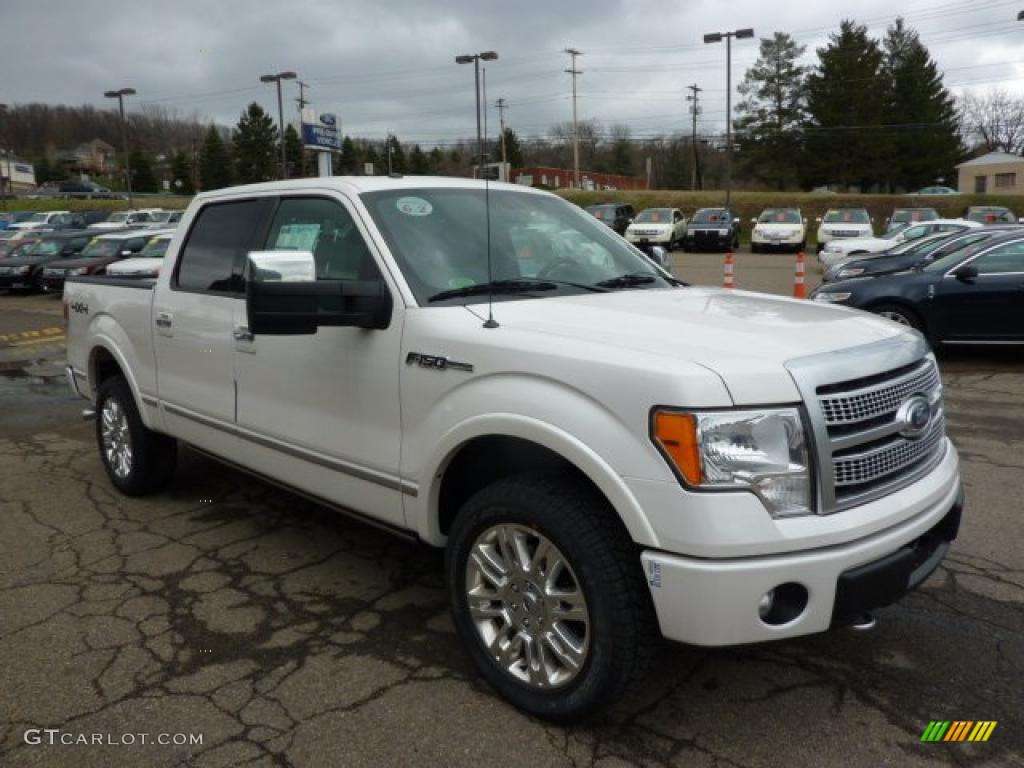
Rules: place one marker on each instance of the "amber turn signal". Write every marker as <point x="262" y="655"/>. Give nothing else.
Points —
<point x="676" y="433"/>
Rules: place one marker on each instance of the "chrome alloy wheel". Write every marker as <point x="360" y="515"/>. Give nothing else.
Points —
<point x="896" y="317"/>
<point x="528" y="606"/>
<point x="117" y="441"/>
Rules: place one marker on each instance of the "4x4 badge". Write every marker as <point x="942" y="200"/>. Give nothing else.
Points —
<point x="437" y="362"/>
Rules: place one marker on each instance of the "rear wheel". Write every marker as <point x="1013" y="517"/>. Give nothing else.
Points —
<point x="548" y="595"/>
<point x="899" y="314"/>
<point x="137" y="459"/>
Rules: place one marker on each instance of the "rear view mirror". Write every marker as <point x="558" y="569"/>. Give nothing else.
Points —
<point x="966" y="273"/>
<point x="283" y="297"/>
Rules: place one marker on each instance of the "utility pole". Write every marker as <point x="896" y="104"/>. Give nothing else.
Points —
<point x="501" y="105"/>
<point x="716" y="37"/>
<point x="389" y="153"/>
<point x="302" y="100"/>
<point x="694" y="110"/>
<point x="575" y="128"/>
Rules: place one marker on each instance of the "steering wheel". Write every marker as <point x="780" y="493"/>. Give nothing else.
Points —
<point x="564" y="261"/>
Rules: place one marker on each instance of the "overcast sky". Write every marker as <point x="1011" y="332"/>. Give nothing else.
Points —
<point x="390" y="65"/>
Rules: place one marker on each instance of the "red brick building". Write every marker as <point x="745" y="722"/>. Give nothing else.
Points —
<point x="558" y="178"/>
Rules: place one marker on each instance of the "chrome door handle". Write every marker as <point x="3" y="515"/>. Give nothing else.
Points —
<point x="241" y="333"/>
<point x="164" y="319"/>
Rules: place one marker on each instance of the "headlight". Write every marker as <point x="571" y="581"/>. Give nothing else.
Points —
<point x="78" y="271"/>
<point x="832" y="298"/>
<point x="22" y="270"/>
<point x="832" y="249"/>
<point x="763" y="452"/>
<point x="723" y="231"/>
<point x="850" y="272"/>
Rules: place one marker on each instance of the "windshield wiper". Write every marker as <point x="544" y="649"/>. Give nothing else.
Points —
<point x="496" y="286"/>
<point x="636" y="278"/>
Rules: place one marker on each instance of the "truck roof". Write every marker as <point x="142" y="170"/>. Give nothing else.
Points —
<point x="359" y="184"/>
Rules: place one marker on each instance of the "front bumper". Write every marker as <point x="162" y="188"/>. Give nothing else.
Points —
<point x="15" y="281"/>
<point x="52" y="284"/>
<point x="714" y="602"/>
<point x="707" y="239"/>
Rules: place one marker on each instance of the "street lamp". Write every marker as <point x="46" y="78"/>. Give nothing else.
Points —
<point x="716" y="37"/>
<point x="7" y="141"/>
<point x="474" y="59"/>
<point x="280" y="111"/>
<point x="119" y="95"/>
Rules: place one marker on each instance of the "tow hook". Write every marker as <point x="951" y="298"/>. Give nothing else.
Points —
<point x="88" y="414"/>
<point x="864" y="623"/>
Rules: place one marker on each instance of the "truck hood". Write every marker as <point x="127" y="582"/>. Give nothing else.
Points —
<point x="746" y="338"/>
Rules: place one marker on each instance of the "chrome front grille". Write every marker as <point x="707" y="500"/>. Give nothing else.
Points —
<point x="864" y="447"/>
<point x="875" y="400"/>
<point x="876" y="464"/>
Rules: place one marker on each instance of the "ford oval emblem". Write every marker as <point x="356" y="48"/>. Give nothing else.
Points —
<point x="329" y="119"/>
<point x="914" y="416"/>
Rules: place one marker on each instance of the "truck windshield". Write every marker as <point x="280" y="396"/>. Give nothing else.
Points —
<point x="439" y="239"/>
<point x="779" y="216"/>
<point x="711" y="216"/>
<point x="654" y="216"/>
<point x="847" y="216"/>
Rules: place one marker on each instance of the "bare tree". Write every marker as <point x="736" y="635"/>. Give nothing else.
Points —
<point x="995" y="121"/>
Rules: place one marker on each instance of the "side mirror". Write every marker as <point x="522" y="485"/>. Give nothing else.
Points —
<point x="753" y="221"/>
<point x="659" y="256"/>
<point x="966" y="273"/>
<point x="817" y="219"/>
<point x="736" y="220"/>
<point x="283" y="297"/>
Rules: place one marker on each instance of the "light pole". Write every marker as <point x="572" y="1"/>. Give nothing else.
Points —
<point x="474" y="59"/>
<point x="119" y="95"/>
<point x="575" y="129"/>
<point x="716" y="37"/>
<point x="7" y="152"/>
<point x="280" y="111"/>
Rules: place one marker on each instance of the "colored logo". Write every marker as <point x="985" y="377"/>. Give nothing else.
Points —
<point x="959" y="730"/>
<point x="914" y="416"/>
<point x="329" y="119"/>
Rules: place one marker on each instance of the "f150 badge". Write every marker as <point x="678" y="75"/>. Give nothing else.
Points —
<point x="437" y="362"/>
<point x="80" y="307"/>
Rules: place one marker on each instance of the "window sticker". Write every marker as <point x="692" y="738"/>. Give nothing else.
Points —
<point x="461" y="282"/>
<point x="297" y="237"/>
<point x="414" y="206"/>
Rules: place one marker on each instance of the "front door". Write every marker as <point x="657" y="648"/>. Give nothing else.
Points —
<point x="989" y="307"/>
<point x="193" y="320"/>
<point x="321" y="411"/>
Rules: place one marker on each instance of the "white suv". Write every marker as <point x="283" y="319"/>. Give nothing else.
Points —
<point x="780" y="229"/>
<point x="657" y="226"/>
<point x="840" y="223"/>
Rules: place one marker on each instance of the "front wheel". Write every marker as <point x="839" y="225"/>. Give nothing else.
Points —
<point x="548" y="595"/>
<point x="898" y="314"/>
<point x="137" y="459"/>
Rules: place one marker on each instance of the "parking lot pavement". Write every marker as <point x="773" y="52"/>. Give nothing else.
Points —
<point x="287" y="635"/>
<point x="764" y="272"/>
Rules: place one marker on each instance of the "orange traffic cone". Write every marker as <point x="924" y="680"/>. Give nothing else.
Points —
<point x="730" y="268"/>
<point x="799" y="284"/>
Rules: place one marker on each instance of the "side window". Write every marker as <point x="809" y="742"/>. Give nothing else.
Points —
<point x="220" y="239"/>
<point x="325" y="228"/>
<point x="134" y="245"/>
<point x="1006" y="258"/>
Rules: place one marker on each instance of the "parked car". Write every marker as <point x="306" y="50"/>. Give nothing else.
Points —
<point x="45" y="191"/>
<point x="14" y="217"/>
<point x="12" y="237"/>
<point x="970" y="296"/>
<point x="12" y="248"/>
<point x="712" y="229"/>
<point x="124" y="219"/>
<point x="936" y="190"/>
<point x="779" y="229"/>
<point x="44" y="220"/>
<point x="148" y="261"/>
<point x="840" y="251"/>
<point x="26" y="271"/>
<point x="101" y="252"/>
<point x="911" y="254"/>
<point x="89" y="218"/>
<point x="843" y="223"/>
<point x="162" y="219"/>
<point x="603" y="453"/>
<point x="618" y="216"/>
<point x="657" y="226"/>
<point x="86" y="190"/>
<point x="991" y="214"/>
<point x="901" y="216"/>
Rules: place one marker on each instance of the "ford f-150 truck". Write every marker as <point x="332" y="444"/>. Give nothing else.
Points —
<point x="606" y="454"/>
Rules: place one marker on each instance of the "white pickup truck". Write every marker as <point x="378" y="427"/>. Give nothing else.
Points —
<point x="603" y="452"/>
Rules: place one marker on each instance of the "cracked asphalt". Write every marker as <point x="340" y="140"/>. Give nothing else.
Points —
<point x="289" y="636"/>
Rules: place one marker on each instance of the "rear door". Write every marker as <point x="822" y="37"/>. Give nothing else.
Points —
<point x="989" y="307"/>
<point x="194" y="318"/>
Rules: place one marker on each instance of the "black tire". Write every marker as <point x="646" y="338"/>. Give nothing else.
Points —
<point x="899" y="314"/>
<point x="686" y="248"/>
<point x="754" y="248"/>
<point x="623" y="630"/>
<point x="154" y="456"/>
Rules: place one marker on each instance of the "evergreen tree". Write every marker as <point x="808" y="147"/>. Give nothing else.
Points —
<point x="44" y="171"/>
<point x="920" y="112"/>
<point x="434" y="160"/>
<point x="349" y="162"/>
<point x="143" y="178"/>
<point x="214" y="161"/>
<point x="513" y="149"/>
<point x="256" y="147"/>
<point x="294" y="153"/>
<point x="418" y="164"/>
<point x="181" y="171"/>
<point x="772" y="110"/>
<point x="621" y="159"/>
<point x="845" y="136"/>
